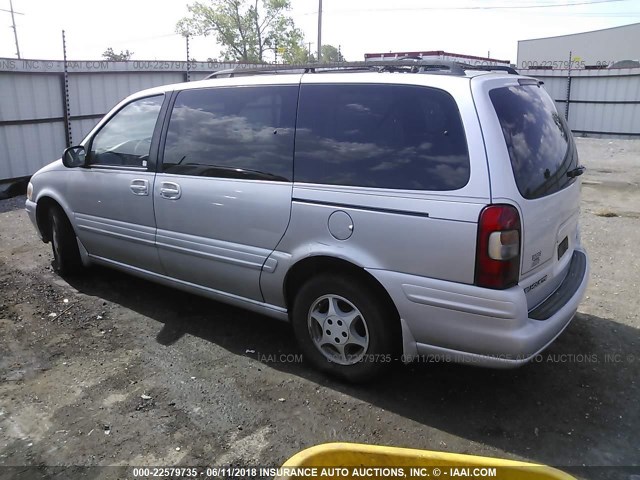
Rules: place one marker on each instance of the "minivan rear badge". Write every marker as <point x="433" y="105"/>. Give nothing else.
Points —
<point x="535" y="258"/>
<point x="535" y="284"/>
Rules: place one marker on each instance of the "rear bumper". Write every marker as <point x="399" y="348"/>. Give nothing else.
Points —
<point x="468" y="324"/>
<point x="566" y="291"/>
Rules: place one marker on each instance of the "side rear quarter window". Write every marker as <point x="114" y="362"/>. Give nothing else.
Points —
<point x="233" y="132"/>
<point x="385" y="136"/>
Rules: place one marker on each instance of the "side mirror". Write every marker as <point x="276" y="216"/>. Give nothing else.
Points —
<point x="74" y="157"/>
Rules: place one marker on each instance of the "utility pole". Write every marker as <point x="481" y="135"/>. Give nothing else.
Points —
<point x="568" y="102"/>
<point x="188" y="60"/>
<point x="15" y="32"/>
<point x="65" y="89"/>
<point x="319" y="30"/>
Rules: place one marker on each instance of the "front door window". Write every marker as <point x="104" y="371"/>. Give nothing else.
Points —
<point x="126" y="139"/>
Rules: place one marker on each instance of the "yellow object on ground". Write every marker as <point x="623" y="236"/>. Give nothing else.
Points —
<point x="354" y="460"/>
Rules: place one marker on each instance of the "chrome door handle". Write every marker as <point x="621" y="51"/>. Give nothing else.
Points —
<point x="139" y="186"/>
<point x="170" y="190"/>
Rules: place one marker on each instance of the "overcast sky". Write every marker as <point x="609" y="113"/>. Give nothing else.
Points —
<point x="147" y="27"/>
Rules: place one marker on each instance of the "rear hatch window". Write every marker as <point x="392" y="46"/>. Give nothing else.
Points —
<point x="539" y="141"/>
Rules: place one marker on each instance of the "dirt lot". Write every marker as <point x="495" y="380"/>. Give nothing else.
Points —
<point x="108" y="369"/>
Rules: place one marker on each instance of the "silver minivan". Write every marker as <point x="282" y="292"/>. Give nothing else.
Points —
<point x="394" y="214"/>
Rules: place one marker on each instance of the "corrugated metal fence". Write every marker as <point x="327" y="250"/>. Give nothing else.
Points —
<point x="36" y="124"/>
<point x="596" y="102"/>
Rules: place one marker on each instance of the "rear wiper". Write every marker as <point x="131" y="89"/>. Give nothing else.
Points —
<point x="576" y="172"/>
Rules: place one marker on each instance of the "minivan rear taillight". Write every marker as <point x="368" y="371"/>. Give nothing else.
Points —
<point x="498" y="247"/>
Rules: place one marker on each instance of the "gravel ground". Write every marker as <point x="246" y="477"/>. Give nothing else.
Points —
<point x="108" y="369"/>
<point x="14" y="203"/>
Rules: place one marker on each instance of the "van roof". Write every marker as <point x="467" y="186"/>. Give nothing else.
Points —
<point x="438" y="73"/>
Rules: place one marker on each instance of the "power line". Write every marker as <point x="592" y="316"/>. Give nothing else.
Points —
<point x="596" y="14"/>
<point x="10" y="11"/>
<point x="485" y="7"/>
<point x="515" y="7"/>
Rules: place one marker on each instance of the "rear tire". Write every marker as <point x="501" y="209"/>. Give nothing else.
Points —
<point x="64" y="244"/>
<point x="343" y="328"/>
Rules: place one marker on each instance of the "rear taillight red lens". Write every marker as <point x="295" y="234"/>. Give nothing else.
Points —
<point x="498" y="247"/>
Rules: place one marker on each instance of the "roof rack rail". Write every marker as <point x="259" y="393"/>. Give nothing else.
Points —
<point x="403" y="65"/>
<point x="490" y="68"/>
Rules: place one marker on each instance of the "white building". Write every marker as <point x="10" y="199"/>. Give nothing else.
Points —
<point x="588" y="50"/>
<point x="436" y="55"/>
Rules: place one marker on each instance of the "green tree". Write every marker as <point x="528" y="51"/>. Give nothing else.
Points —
<point x="298" y="52"/>
<point x="294" y="49"/>
<point x="331" y="54"/>
<point x="112" y="56"/>
<point x="246" y="29"/>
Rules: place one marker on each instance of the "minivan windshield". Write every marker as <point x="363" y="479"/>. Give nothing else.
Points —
<point x="539" y="141"/>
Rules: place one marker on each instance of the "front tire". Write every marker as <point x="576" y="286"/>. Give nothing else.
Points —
<point x="66" y="254"/>
<point x="343" y="328"/>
